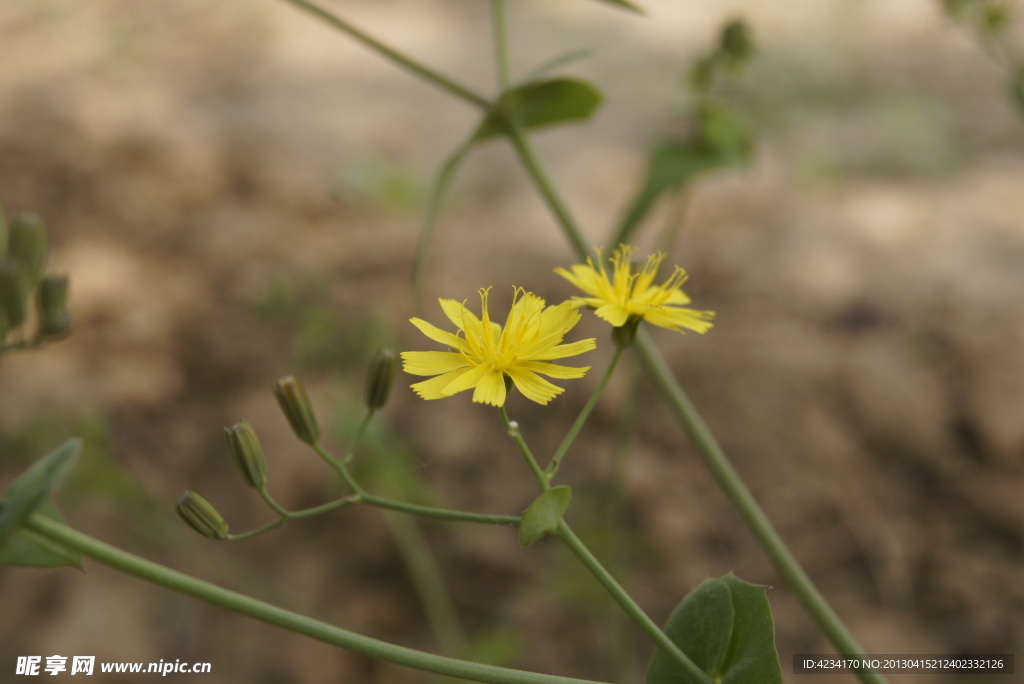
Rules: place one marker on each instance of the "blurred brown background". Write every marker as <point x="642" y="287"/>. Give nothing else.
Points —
<point x="235" y="192"/>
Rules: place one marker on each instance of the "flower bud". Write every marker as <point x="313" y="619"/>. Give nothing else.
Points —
<point x="247" y="453"/>
<point x="13" y="293"/>
<point x="52" y="301"/>
<point x="291" y="395"/>
<point x="380" y="377"/>
<point x="27" y="245"/>
<point x="201" y="516"/>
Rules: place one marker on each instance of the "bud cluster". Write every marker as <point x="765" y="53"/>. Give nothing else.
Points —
<point x="22" y="280"/>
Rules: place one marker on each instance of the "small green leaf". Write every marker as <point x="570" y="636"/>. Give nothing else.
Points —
<point x="625" y="4"/>
<point x="27" y="549"/>
<point x="35" y="485"/>
<point x="29" y="494"/>
<point x="725" y="626"/>
<point x="671" y="165"/>
<point x="1017" y="89"/>
<point x="544" y="514"/>
<point x="539" y="104"/>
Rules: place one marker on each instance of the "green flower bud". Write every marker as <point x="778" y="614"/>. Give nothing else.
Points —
<point x="201" y="516"/>
<point x="27" y="245"/>
<point x="247" y="453"/>
<point x="380" y="377"/>
<point x="52" y="301"/>
<point x="291" y="395"/>
<point x="13" y="293"/>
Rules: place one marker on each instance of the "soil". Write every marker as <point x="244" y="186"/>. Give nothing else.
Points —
<point x="236" y="192"/>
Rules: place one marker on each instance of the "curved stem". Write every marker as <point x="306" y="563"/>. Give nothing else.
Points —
<point x="731" y="483"/>
<point x="513" y="431"/>
<point x="570" y="437"/>
<point x="407" y="63"/>
<point x="174" y="580"/>
<point x="693" y="673"/>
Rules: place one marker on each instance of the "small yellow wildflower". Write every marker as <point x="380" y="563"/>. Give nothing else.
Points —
<point x="626" y="295"/>
<point x="483" y="353"/>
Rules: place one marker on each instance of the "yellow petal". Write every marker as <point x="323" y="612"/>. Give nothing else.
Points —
<point x="433" y="388"/>
<point x="613" y="313"/>
<point x="468" y="379"/>
<point x="432" y="362"/>
<point x="553" y="370"/>
<point x="438" y="335"/>
<point x="534" y="387"/>
<point x="490" y="389"/>
<point x="563" y="350"/>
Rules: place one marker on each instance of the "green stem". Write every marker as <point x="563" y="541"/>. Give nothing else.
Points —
<point x="407" y="63"/>
<point x="535" y="170"/>
<point x="439" y="513"/>
<point x="693" y="673"/>
<point x="174" y="580"/>
<point x="731" y="483"/>
<point x="588" y="408"/>
<point x="513" y="431"/>
<point x="501" y="51"/>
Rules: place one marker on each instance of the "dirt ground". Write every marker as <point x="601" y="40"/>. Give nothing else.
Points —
<point x="235" y="192"/>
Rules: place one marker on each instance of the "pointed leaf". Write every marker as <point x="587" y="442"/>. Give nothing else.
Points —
<point x="33" y="487"/>
<point x="625" y="4"/>
<point x="540" y="104"/>
<point x="725" y="626"/>
<point x="544" y="514"/>
<point x="29" y="549"/>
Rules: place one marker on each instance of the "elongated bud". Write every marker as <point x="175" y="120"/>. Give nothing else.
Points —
<point x="201" y="516"/>
<point x="291" y="395"/>
<point x="380" y="377"/>
<point x="26" y="245"/>
<point x="247" y="453"/>
<point x="13" y="293"/>
<point x="52" y="301"/>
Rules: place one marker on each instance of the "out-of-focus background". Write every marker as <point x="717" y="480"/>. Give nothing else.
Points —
<point x="235" y="192"/>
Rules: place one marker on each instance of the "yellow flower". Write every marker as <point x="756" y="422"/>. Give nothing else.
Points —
<point x="483" y="353"/>
<point x="626" y="295"/>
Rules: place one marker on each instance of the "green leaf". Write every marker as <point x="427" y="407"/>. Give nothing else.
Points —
<point x="725" y="626"/>
<point x="29" y="549"/>
<point x="625" y="4"/>
<point x="539" y="104"/>
<point x="29" y="494"/>
<point x="544" y="514"/>
<point x="1017" y="89"/>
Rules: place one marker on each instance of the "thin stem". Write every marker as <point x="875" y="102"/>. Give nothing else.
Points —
<point x="174" y="580"/>
<point x="340" y="467"/>
<point x="687" y="416"/>
<point x="512" y="428"/>
<point x="556" y="460"/>
<point x="439" y="513"/>
<point x="407" y="63"/>
<point x="535" y="170"/>
<point x="501" y="51"/>
<point x="731" y="483"/>
<point x="693" y="673"/>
